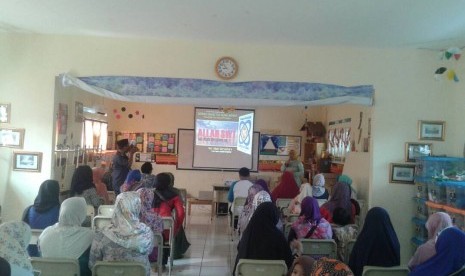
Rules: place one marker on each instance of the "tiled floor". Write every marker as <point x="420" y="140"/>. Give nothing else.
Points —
<point x="211" y="252"/>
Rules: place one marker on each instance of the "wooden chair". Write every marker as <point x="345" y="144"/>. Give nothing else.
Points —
<point x="118" y="268"/>
<point x="106" y="210"/>
<point x="385" y="271"/>
<point x="319" y="248"/>
<point x="99" y="222"/>
<point x="55" y="266"/>
<point x="249" y="267"/>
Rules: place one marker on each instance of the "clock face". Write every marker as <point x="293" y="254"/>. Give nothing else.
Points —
<point x="226" y="68"/>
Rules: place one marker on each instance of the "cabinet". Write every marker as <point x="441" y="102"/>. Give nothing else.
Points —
<point x="439" y="187"/>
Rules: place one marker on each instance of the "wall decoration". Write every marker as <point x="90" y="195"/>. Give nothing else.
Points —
<point x="279" y="145"/>
<point x="62" y="119"/>
<point x="415" y="150"/>
<point x="5" y="113"/>
<point x="78" y="112"/>
<point x="431" y="130"/>
<point x="161" y="142"/>
<point x="27" y="161"/>
<point x="12" y="137"/>
<point x="135" y="138"/>
<point x="144" y="157"/>
<point x="402" y="173"/>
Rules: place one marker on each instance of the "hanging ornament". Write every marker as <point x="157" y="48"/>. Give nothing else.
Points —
<point x="450" y="74"/>
<point x="438" y="73"/>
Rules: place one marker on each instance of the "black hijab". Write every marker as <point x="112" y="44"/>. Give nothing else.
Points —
<point x="82" y="180"/>
<point x="5" y="269"/>
<point x="163" y="189"/>
<point x="261" y="239"/>
<point x="377" y="243"/>
<point x="48" y="196"/>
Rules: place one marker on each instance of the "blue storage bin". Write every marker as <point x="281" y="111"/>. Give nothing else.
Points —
<point x="421" y="211"/>
<point x="455" y="193"/>
<point x="437" y="192"/>
<point x="419" y="230"/>
<point x="437" y="167"/>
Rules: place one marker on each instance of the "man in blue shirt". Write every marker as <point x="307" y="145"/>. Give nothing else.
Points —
<point x="121" y="163"/>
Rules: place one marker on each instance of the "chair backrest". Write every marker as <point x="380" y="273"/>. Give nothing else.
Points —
<point x="100" y="221"/>
<point x="282" y="203"/>
<point x="158" y="241"/>
<point x="55" y="266"/>
<point x="287" y="229"/>
<point x="319" y="248"/>
<point x="106" y="210"/>
<point x="292" y="217"/>
<point x="385" y="271"/>
<point x="35" y="233"/>
<point x="349" y="246"/>
<point x="238" y="204"/>
<point x="249" y="267"/>
<point x="118" y="269"/>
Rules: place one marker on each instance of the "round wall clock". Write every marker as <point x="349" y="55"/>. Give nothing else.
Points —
<point x="226" y="68"/>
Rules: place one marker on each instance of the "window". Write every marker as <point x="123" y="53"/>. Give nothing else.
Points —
<point x="94" y="134"/>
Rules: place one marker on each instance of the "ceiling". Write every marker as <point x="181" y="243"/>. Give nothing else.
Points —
<point x="430" y="24"/>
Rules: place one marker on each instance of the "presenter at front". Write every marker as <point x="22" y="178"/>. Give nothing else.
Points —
<point x="294" y="165"/>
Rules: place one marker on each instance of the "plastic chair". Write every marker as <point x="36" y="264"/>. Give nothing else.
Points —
<point x="292" y="217"/>
<point x="282" y="203"/>
<point x="319" y="248"/>
<point x="106" y="210"/>
<point x="99" y="222"/>
<point x="168" y="224"/>
<point x="118" y="268"/>
<point x="236" y="211"/>
<point x="158" y="241"/>
<point x="385" y="271"/>
<point x="349" y="246"/>
<point x="35" y="234"/>
<point x="90" y="216"/>
<point x="249" y="267"/>
<point x="55" y="266"/>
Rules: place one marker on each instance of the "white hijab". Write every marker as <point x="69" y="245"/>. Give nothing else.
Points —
<point x="318" y="185"/>
<point x="67" y="239"/>
<point x="305" y="190"/>
<point x="14" y="239"/>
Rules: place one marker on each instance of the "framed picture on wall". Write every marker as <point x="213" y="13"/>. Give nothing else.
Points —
<point x="402" y="173"/>
<point x="12" y="137"/>
<point x="4" y="113"/>
<point x="431" y="130"/>
<point x="415" y="150"/>
<point x="27" y="161"/>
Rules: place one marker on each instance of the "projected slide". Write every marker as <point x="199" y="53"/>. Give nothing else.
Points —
<point x="223" y="139"/>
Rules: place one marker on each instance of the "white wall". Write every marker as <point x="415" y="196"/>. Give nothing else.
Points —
<point x="405" y="93"/>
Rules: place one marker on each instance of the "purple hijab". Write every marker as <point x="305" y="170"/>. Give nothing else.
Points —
<point x="310" y="209"/>
<point x="263" y="184"/>
<point x="340" y="198"/>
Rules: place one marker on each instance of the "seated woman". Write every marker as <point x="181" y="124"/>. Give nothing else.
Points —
<point x="67" y="239"/>
<point x="307" y="266"/>
<point x="263" y="184"/>
<point x="435" y="224"/>
<point x="164" y="201"/>
<point x="45" y="210"/>
<point x="294" y="206"/>
<point x="97" y="176"/>
<point x="287" y="188"/>
<point x="377" y="243"/>
<point x="247" y="211"/>
<point x="132" y="182"/>
<point x="343" y="232"/>
<point x="125" y="239"/>
<point x="149" y="217"/>
<point x="261" y="239"/>
<point x="449" y="257"/>
<point x="14" y="238"/>
<point x="340" y="197"/>
<point x="310" y="224"/>
<point x="82" y="185"/>
<point x="318" y="188"/>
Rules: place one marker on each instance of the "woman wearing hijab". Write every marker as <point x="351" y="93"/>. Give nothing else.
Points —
<point x="450" y="255"/>
<point x="343" y="231"/>
<point x="45" y="210"/>
<point x="340" y="198"/>
<point x="310" y="224"/>
<point x="261" y="239"/>
<point x="97" y="176"/>
<point x="377" y="243"/>
<point x="126" y="238"/>
<point x="14" y="238"/>
<point x="435" y="224"/>
<point x="318" y="190"/>
<point x="67" y="239"/>
<point x="295" y="167"/>
<point x="164" y="201"/>
<point x="307" y="266"/>
<point x="149" y="217"/>
<point x="132" y="182"/>
<point x="263" y="184"/>
<point x="286" y="187"/>
<point x="294" y="206"/>
<point x="82" y="185"/>
<point x="258" y="199"/>
<point x="247" y="211"/>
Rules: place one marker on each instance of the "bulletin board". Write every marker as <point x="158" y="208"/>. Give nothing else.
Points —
<point x="185" y="149"/>
<point x="161" y="142"/>
<point x="279" y="145"/>
<point x="135" y="138"/>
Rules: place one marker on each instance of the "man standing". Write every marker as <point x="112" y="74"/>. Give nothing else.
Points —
<point x="239" y="189"/>
<point x="121" y="163"/>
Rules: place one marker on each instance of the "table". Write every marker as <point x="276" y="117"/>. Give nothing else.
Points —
<point x="194" y="201"/>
